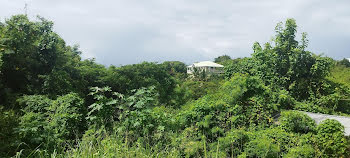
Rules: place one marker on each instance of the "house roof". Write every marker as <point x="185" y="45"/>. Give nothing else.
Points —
<point x="345" y="121"/>
<point x="205" y="64"/>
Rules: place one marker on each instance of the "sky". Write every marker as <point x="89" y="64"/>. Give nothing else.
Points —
<point x="121" y="32"/>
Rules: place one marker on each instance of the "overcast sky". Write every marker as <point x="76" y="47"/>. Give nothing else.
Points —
<point x="123" y="32"/>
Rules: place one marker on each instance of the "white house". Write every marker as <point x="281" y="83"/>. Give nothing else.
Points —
<point x="207" y="66"/>
<point x="348" y="59"/>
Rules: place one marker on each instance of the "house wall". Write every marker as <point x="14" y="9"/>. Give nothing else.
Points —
<point x="190" y="70"/>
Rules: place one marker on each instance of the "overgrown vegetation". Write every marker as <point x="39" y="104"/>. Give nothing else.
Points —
<point x="54" y="104"/>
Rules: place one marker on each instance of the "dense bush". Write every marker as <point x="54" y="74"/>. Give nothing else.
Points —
<point x="131" y="117"/>
<point x="190" y="90"/>
<point x="234" y="142"/>
<point x="9" y="139"/>
<point x="331" y="140"/>
<point x="237" y="104"/>
<point x="305" y="151"/>
<point x="126" y="78"/>
<point x="51" y="123"/>
<point x="262" y="147"/>
<point x="294" y="121"/>
<point x="285" y="64"/>
<point x="344" y="62"/>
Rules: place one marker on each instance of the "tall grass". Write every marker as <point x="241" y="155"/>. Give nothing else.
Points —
<point x="108" y="147"/>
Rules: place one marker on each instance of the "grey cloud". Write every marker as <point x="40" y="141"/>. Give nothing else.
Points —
<point x="130" y="31"/>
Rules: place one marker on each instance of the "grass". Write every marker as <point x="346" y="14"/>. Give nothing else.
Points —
<point x="108" y="147"/>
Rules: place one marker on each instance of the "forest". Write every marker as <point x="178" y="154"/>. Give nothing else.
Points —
<point x="55" y="104"/>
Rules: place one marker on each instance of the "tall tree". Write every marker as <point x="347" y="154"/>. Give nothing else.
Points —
<point x="345" y="62"/>
<point x="221" y="59"/>
<point x="286" y="64"/>
<point x="129" y="77"/>
<point x="29" y="49"/>
<point x="174" y="67"/>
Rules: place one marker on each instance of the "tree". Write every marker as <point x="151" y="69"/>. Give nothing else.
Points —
<point x="1" y="84"/>
<point x="35" y="60"/>
<point x="239" y="65"/>
<point x="129" y="77"/>
<point x="288" y="64"/>
<point x="29" y="49"/>
<point x="66" y="76"/>
<point x="1" y="54"/>
<point x="175" y="67"/>
<point x="221" y="59"/>
<point x="344" y="62"/>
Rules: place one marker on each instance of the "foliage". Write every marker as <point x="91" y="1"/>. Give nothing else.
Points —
<point x="8" y="137"/>
<point x="234" y="141"/>
<point x="294" y="121"/>
<point x="193" y="90"/>
<point x="284" y="100"/>
<point x="129" y="77"/>
<point x="310" y="107"/>
<point x="262" y="147"/>
<point x="239" y="65"/>
<point x="286" y="65"/>
<point x="237" y="104"/>
<point x="222" y="59"/>
<point x="340" y="74"/>
<point x="344" y="62"/>
<point x="305" y="151"/>
<point x="111" y="146"/>
<point x="135" y="116"/>
<point x="200" y="74"/>
<point x="175" y="68"/>
<point x="101" y="113"/>
<point x="331" y="140"/>
<point x="29" y="49"/>
<point x="50" y="122"/>
<point x="284" y="140"/>
<point x="52" y="105"/>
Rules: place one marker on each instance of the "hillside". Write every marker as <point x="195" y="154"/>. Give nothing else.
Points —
<point x="54" y="104"/>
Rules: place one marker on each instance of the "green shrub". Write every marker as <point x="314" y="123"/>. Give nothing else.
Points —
<point x="101" y="112"/>
<point x="294" y="121"/>
<point x="8" y="138"/>
<point x="134" y="118"/>
<point x="331" y="139"/>
<point x="284" y="99"/>
<point x="111" y="146"/>
<point x="283" y="139"/>
<point x="310" y="107"/>
<point x="51" y="123"/>
<point x="270" y="142"/>
<point x="344" y="62"/>
<point x="305" y="151"/>
<point x="262" y="147"/>
<point x="233" y="142"/>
